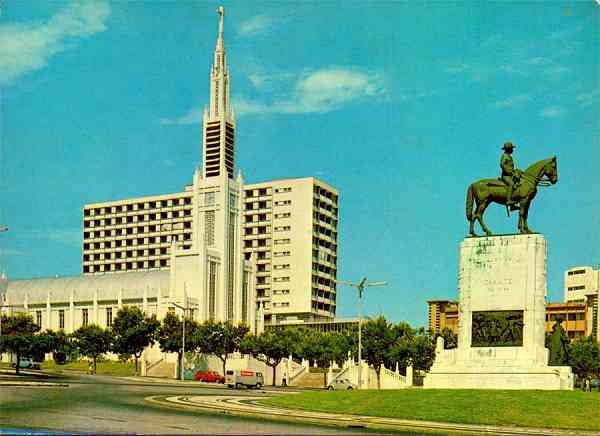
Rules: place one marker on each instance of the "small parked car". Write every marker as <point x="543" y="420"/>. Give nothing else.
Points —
<point x="26" y="362"/>
<point x="342" y="384"/>
<point x="209" y="377"/>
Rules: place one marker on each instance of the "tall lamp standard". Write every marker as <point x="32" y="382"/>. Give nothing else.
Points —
<point x="184" y="309"/>
<point x="2" y="230"/>
<point x="361" y="287"/>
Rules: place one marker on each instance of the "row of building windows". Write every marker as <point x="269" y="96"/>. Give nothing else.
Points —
<point x="577" y="271"/>
<point x="127" y="266"/>
<point x="281" y="241"/>
<point x="137" y="241"/>
<point x="257" y="205"/>
<point x="281" y="279"/>
<point x="183" y="201"/>
<point x="323" y="294"/>
<point x="283" y="215"/>
<point x="257" y="218"/>
<point x="282" y="190"/>
<point x="322" y="281"/>
<point x="576" y="288"/>
<point x="127" y="254"/>
<point x="132" y="219"/>
<point x="565" y="316"/>
<point x="281" y="291"/>
<point x="260" y="230"/>
<point x="323" y="243"/>
<point x="282" y="304"/>
<point x="283" y="203"/>
<point x="325" y="219"/>
<point x="281" y="253"/>
<point x="325" y="193"/>
<point x="135" y="230"/>
<point x="324" y="231"/>
<point x="322" y="205"/>
<point x="282" y="266"/>
<point x="316" y="305"/>
<point x="282" y="228"/>
<point x="257" y="192"/>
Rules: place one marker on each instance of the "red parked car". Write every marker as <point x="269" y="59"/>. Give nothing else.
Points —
<point x="209" y="377"/>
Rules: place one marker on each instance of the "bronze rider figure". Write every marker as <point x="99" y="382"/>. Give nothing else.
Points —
<point x="510" y="174"/>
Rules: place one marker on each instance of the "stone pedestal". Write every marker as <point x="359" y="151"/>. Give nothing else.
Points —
<point x="502" y="310"/>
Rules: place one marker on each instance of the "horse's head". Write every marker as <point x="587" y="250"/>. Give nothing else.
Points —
<point x="551" y="170"/>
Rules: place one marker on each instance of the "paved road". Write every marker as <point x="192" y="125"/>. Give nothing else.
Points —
<point x="104" y="404"/>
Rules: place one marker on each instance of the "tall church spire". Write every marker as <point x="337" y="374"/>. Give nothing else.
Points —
<point x="219" y="123"/>
<point x="219" y="89"/>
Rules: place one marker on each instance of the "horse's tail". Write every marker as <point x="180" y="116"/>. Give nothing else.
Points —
<point x="470" y="198"/>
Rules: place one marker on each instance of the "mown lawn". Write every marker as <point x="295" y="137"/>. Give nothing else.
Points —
<point x="109" y="367"/>
<point x="547" y="409"/>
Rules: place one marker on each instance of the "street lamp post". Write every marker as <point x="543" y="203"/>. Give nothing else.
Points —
<point x="182" y="340"/>
<point x="361" y="287"/>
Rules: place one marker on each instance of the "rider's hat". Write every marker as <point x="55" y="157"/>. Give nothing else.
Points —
<point x="508" y="146"/>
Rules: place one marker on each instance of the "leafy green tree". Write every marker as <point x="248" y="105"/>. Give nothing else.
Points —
<point x="558" y="345"/>
<point x="402" y="351"/>
<point x="62" y="347"/>
<point x="585" y="357"/>
<point x="378" y="337"/>
<point x="133" y="332"/>
<point x="41" y="344"/>
<point x="423" y="351"/>
<point x="450" y="338"/>
<point x="269" y="347"/>
<point x="18" y="332"/>
<point x="170" y="335"/>
<point x="92" y="341"/>
<point x="220" y="338"/>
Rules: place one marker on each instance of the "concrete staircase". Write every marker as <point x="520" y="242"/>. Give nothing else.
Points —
<point x="161" y="368"/>
<point x="311" y="379"/>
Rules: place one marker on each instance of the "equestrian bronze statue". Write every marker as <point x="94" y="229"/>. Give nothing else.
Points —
<point x="515" y="189"/>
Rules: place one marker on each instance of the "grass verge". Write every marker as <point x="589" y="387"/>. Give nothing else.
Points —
<point x="114" y="368"/>
<point x="544" y="409"/>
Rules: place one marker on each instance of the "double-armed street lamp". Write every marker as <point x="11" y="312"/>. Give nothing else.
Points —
<point x="184" y="309"/>
<point x="361" y="287"/>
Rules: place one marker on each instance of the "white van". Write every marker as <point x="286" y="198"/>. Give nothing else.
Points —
<point x="250" y="379"/>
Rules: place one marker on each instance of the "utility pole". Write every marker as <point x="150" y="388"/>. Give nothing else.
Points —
<point x="184" y="309"/>
<point x="361" y="287"/>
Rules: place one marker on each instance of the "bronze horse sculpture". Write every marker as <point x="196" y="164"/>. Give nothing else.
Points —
<point x="486" y="191"/>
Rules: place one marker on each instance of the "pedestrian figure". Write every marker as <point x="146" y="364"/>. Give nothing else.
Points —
<point x="284" y="381"/>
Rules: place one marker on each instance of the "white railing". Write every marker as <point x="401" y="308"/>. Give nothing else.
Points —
<point x="389" y="373"/>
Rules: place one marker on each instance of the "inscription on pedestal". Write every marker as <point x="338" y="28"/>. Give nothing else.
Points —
<point x="500" y="328"/>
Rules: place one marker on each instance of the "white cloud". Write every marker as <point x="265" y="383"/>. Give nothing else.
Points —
<point x="328" y="89"/>
<point x="552" y="112"/>
<point x="28" y="47"/>
<point x="318" y="91"/>
<point x="194" y="116"/>
<point x="514" y="100"/>
<point x="259" y="24"/>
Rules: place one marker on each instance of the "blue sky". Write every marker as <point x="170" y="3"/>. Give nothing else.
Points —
<point x="399" y="105"/>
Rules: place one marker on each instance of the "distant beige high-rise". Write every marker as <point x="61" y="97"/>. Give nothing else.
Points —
<point x="582" y="284"/>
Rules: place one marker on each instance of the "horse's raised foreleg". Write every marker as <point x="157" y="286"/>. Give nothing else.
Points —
<point x="479" y="215"/>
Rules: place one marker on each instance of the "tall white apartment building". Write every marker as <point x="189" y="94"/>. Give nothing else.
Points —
<point x="291" y="228"/>
<point x="582" y="284"/>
